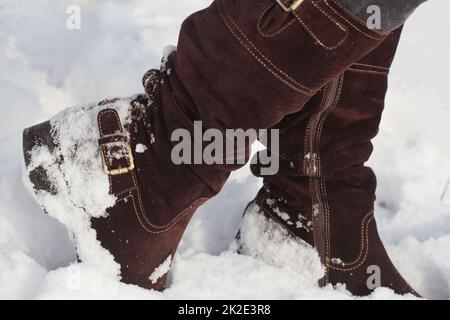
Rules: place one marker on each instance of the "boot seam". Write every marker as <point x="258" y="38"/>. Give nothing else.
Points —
<point x="315" y="37"/>
<point x="322" y="124"/>
<point x="142" y="214"/>
<point x="351" y="69"/>
<point x="154" y="229"/>
<point x="275" y="33"/>
<point x="377" y="36"/>
<point x="371" y="66"/>
<point x="289" y="81"/>
<point x="364" y="246"/>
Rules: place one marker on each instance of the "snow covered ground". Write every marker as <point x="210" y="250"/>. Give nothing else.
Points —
<point x="44" y="67"/>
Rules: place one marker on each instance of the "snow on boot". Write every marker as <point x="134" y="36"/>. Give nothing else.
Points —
<point x="105" y="170"/>
<point x="323" y="194"/>
<point x="85" y="166"/>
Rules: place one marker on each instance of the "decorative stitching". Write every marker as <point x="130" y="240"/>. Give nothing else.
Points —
<point x="366" y="220"/>
<point x="99" y="121"/>
<point x="310" y="179"/>
<point x="119" y="194"/>
<point x="315" y="36"/>
<point x="327" y="225"/>
<point x="368" y="71"/>
<point x="319" y="172"/>
<point x="364" y="248"/>
<point x="351" y="24"/>
<point x="168" y="226"/>
<point x="315" y="234"/>
<point x="102" y="134"/>
<point x="138" y="216"/>
<point x="100" y="117"/>
<point x="264" y="57"/>
<point x="322" y="190"/>
<point x="141" y="213"/>
<point x="371" y="66"/>
<point x="147" y="216"/>
<point x="291" y="83"/>
<point x="306" y="146"/>
<point x="322" y="123"/>
<point x="136" y="188"/>
<point x="308" y="129"/>
<point x="275" y="33"/>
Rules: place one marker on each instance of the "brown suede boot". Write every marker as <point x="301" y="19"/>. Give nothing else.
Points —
<point x="323" y="193"/>
<point x="105" y="170"/>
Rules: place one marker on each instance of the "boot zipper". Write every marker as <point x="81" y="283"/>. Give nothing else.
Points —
<point x="312" y="169"/>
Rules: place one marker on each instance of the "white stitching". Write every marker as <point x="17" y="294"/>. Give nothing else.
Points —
<point x="308" y="29"/>
<point x="364" y="248"/>
<point x="368" y="71"/>
<point x="136" y="188"/>
<point x="275" y="33"/>
<point x="351" y="24"/>
<point x="371" y="66"/>
<point x="99" y="121"/>
<point x="291" y="83"/>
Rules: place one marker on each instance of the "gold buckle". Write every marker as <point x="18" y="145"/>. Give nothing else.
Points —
<point x="119" y="171"/>
<point x="292" y="7"/>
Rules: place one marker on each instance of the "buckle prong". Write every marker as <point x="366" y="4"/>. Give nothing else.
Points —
<point x="119" y="171"/>
<point x="292" y="7"/>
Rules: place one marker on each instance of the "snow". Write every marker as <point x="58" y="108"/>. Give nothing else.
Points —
<point x="268" y="241"/>
<point x="81" y="187"/>
<point x="161" y="270"/>
<point x="141" y="148"/>
<point x="117" y="43"/>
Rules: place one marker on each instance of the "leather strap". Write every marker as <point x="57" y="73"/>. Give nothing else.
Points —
<point x="116" y="152"/>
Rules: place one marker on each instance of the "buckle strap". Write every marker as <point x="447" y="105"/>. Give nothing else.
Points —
<point x="116" y="152"/>
<point x="290" y="7"/>
<point x="114" y="138"/>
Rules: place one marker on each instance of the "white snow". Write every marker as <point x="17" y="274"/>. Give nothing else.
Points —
<point x="45" y="68"/>
<point x="337" y="261"/>
<point x="282" y="215"/>
<point x="141" y="148"/>
<point x="267" y="241"/>
<point x="166" y="52"/>
<point x="161" y="270"/>
<point x="152" y="138"/>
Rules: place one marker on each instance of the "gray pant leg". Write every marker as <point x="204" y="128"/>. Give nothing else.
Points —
<point x="394" y="13"/>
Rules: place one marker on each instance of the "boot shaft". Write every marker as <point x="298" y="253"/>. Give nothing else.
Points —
<point x="324" y="194"/>
<point x="331" y="138"/>
<point x="247" y="64"/>
<point x="340" y="143"/>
